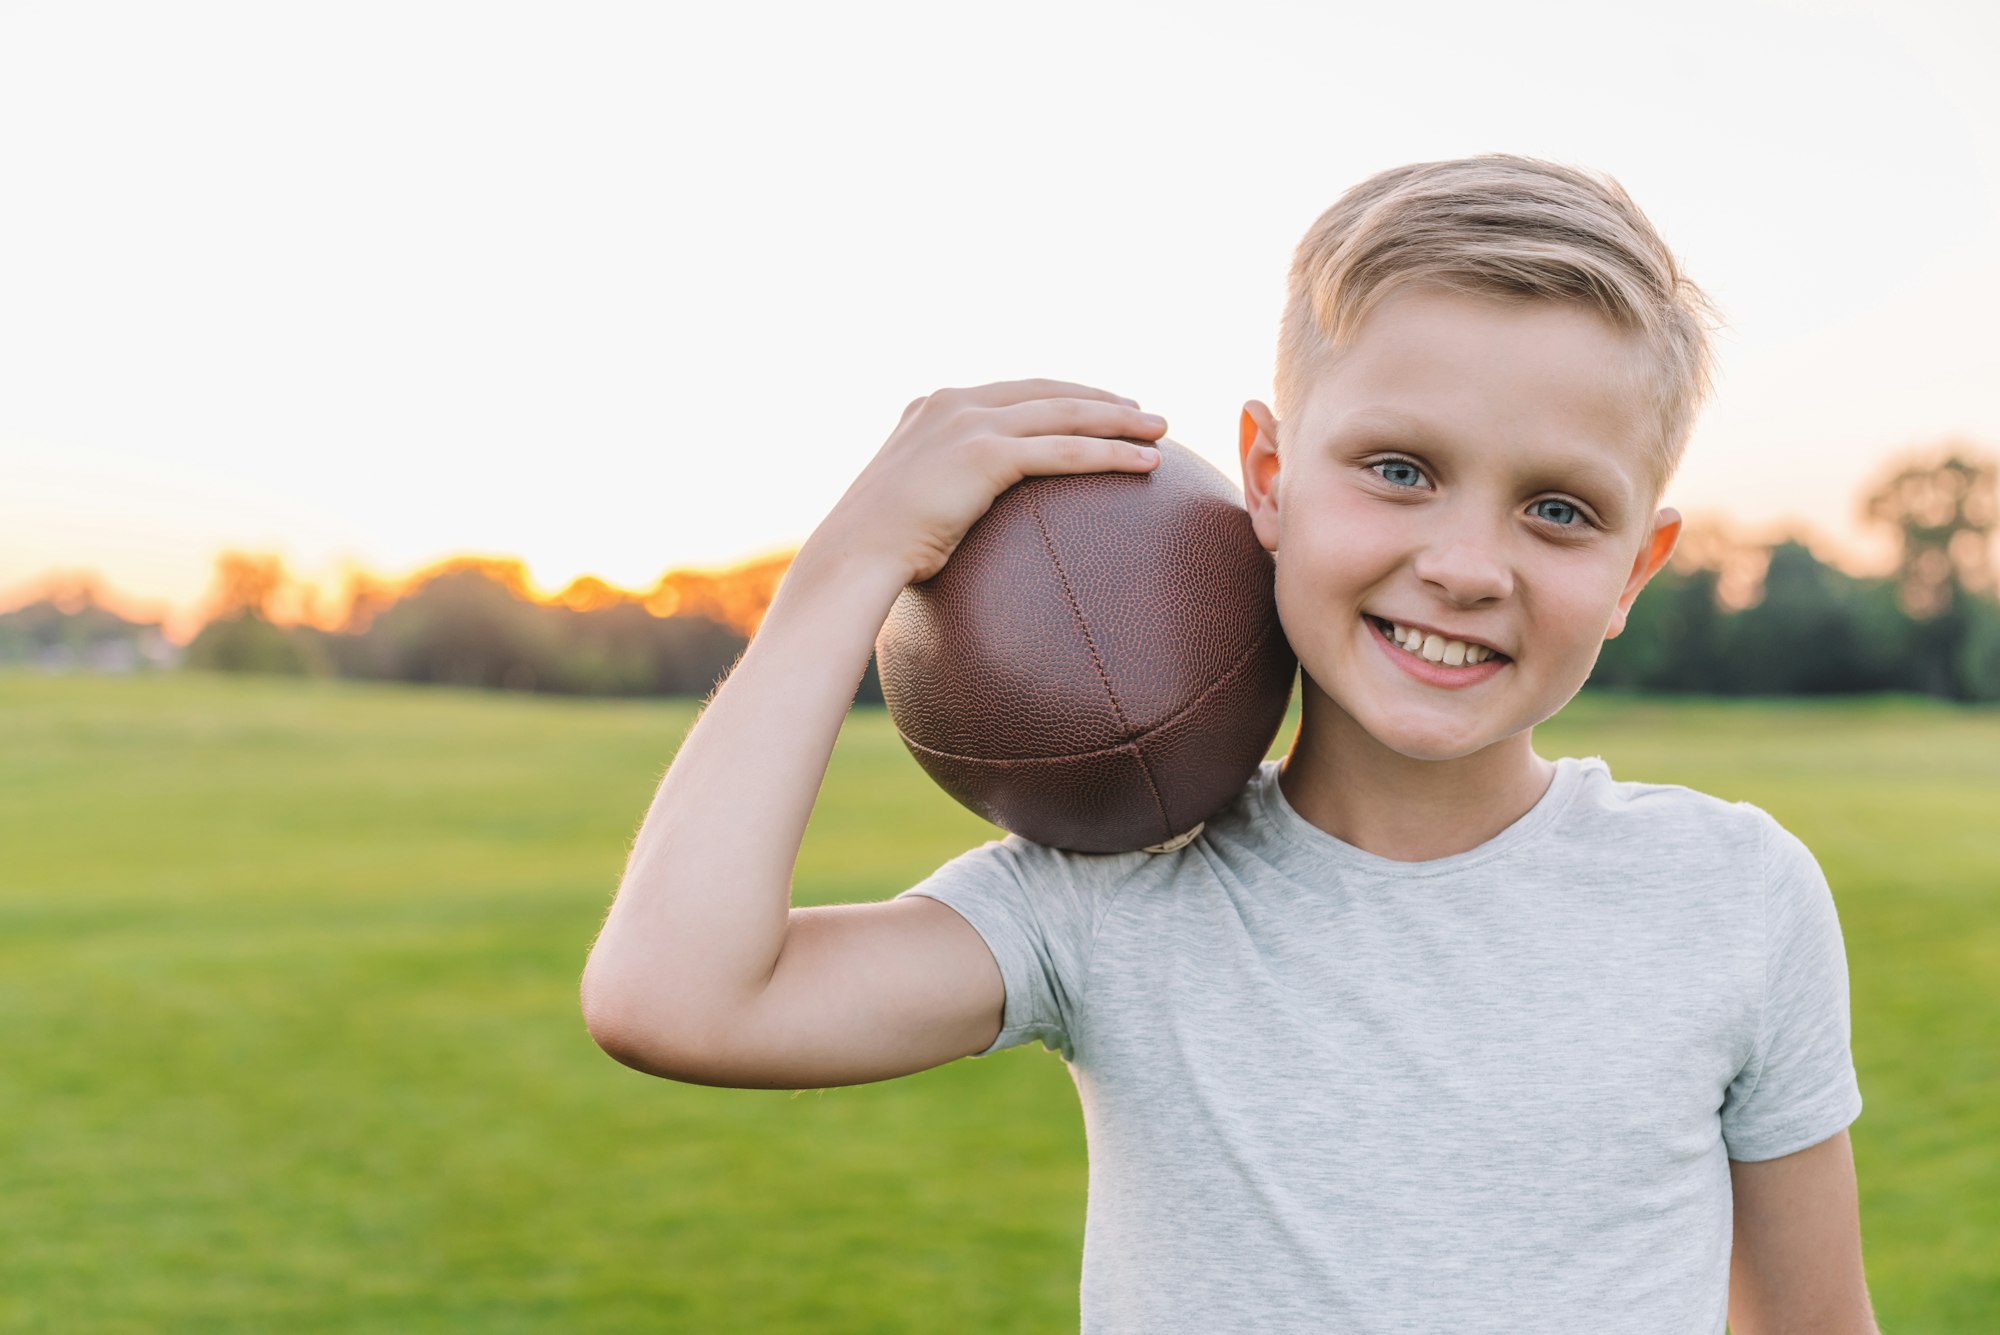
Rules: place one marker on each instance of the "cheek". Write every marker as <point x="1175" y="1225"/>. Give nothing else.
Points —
<point x="1330" y="537"/>
<point x="1328" y="560"/>
<point x="1583" y="600"/>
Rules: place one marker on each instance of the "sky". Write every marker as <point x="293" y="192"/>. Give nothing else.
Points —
<point x="617" y="288"/>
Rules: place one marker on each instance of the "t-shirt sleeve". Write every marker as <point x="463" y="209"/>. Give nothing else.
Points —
<point x="1038" y="909"/>
<point x="1799" y="1085"/>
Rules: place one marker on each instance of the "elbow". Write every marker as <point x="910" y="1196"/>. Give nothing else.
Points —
<point x="630" y="1025"/>
<point x="616" y="1022"/>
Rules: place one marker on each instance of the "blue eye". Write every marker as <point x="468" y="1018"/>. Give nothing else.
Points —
<point x="1399" y="471"/>
<point x="1564" y="508"/>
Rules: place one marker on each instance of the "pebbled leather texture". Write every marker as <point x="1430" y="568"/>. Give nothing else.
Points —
<point x="1099" y="666"/>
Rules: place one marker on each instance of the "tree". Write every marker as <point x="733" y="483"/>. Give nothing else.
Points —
<point x="1944" y="504"/>
<point x="1816" y="630"/>
<point x="246" y="582"/>
<point x="246" y="642"/>
<point x="464" y="625"/>
<point x="239" y="635"/>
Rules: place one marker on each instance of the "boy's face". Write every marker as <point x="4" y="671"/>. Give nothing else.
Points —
<point x="1473" y="468"/>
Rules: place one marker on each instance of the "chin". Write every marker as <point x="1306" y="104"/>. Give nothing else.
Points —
<point x="1428" y="744"/>
<point x="1438" y="752"/>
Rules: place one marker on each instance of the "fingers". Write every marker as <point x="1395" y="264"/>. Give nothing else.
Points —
<point x="1040" y="456"/>
<point x="1072" y="417"/>
<point x="1073" y="434"/>
<point x="1037" y="427"/>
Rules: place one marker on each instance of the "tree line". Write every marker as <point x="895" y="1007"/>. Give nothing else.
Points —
<point x="472" y="623"/>
<point x="1932" y="626"/>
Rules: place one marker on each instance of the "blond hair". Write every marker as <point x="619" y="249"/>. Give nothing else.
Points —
<point x="1508" y="227"/>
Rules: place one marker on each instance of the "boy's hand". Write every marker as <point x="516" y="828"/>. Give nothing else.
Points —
<point x="956" y="450"/>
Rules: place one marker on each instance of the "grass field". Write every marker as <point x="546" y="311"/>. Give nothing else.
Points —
<point x="288" y="982"/>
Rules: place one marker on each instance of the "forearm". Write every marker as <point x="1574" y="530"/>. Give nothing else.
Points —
<point x="702" y="909"/>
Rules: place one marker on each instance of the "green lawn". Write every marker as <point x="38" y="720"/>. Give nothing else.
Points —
<point x="288" y="992"/>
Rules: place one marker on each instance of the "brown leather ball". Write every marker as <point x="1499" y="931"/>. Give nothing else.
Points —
<point x="1099" y="666"/>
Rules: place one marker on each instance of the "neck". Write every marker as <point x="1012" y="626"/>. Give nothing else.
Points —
<point x="1341" y="779"/>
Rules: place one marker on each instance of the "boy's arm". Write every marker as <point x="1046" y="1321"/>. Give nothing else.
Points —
<point x="703" y="912"/>
<point x="1795" y="1262"/>
<point x="703" y="971"/>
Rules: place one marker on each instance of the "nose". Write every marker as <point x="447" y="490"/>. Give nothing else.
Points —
<point x="1466" y="562"/>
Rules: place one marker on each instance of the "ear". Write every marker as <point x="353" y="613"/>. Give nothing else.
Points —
<point x="1653" y="554"/>
<point x="1257" y="448"/>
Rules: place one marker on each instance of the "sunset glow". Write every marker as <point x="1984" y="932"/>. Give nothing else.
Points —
<point x="602" y="294"/>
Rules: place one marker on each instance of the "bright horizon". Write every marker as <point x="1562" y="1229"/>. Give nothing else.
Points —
<point x="623" y="289"/>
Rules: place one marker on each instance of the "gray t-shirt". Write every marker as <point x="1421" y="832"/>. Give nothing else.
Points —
<point x="1498" y="1091"/>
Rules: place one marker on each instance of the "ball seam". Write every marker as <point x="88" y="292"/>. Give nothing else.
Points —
<point x="1235" y="670"/>
<point x="1096" y="661"/>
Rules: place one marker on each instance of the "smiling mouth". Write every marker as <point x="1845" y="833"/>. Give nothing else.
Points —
<point x="1435" y="648"/>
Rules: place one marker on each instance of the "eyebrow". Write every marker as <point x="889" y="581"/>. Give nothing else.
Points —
<point x="1587" y="472"/>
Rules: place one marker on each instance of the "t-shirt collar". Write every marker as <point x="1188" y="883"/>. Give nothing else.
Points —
<point x="1319" y="849"/>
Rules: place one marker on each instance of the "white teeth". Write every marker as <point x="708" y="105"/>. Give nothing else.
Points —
<point x="1437" y="649"/>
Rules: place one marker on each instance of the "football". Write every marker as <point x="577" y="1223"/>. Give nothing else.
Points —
<point x="1099" y="666"/>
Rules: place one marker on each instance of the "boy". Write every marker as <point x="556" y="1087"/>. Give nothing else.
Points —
<point x="1424" y="1032"/>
